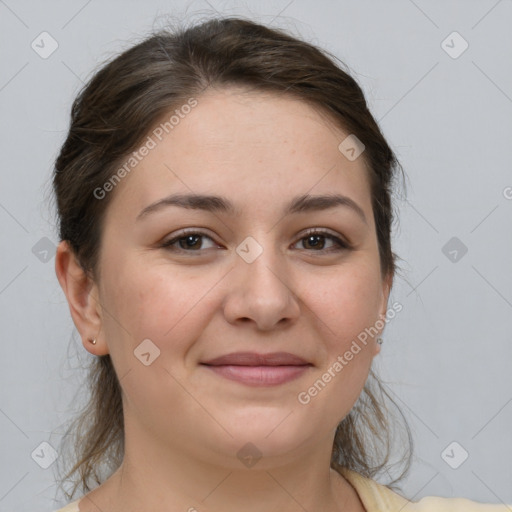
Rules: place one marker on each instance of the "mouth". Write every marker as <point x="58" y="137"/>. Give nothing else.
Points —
<point x="255" y="369"/>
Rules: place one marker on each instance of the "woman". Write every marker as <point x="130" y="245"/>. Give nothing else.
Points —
<point x="224" y="198"/>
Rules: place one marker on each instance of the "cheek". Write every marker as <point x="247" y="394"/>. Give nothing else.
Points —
<point x="154" y="302"/>
<point x="345" y="308"/>
<point x="347" y="302"/>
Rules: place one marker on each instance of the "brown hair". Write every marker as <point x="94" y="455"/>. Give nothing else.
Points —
<point x="112" y="115"/>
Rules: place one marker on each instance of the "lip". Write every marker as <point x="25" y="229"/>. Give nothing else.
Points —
<point x="256" y="359"/>
<point x="255" y="369"/>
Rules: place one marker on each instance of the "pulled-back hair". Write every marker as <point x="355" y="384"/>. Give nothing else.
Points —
<point x="113" y="114"/>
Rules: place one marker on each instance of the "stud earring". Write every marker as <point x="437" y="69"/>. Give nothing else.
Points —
<point x="380" y="341"/>
<point x="93" y="341"/>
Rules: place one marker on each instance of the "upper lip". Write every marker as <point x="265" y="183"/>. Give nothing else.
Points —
<point x="255" y="359"/>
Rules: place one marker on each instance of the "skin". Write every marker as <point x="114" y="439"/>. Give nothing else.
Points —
<point x="183" y="423"/>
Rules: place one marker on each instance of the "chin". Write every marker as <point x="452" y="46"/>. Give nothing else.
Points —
<point x="272" y="435"/>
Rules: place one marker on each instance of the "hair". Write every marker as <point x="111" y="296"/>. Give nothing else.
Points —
<point x="112" y="115"/>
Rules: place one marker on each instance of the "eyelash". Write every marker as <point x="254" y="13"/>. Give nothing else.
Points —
<point x="341" y="244"/>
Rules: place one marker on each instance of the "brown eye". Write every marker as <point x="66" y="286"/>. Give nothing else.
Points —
<point x="189" y="241"/>
<point x="316" y="241"/>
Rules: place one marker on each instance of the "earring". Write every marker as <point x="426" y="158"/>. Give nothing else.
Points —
<point x="380" y="341"/>
<point x="93" y="341"/>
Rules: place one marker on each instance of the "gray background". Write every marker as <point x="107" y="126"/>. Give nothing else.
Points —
<point x="446" y="356"/>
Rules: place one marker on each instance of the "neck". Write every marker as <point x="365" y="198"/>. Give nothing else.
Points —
<point x="152" y="478"/>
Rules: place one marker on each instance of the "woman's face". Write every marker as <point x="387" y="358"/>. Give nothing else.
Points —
<point x="249" y="278"/>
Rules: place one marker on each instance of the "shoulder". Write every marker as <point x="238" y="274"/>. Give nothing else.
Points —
<point x="71" y="507"/>
<point x="379" y="498"/>
<point x="456" y="505"/>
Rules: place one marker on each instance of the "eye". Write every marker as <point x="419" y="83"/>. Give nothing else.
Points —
<point x="316" y="239"/>
<point x="190" y="241"/>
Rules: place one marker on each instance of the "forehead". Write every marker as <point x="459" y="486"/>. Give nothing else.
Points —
<point x="243" y="119"/>
<point x="245" y="144"/>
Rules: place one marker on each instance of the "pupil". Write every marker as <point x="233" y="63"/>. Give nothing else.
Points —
<point x="192" y="239"/>
<point x="314" y="238"/>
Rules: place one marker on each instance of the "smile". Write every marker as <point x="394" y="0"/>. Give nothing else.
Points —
<point x="260" y="375"/>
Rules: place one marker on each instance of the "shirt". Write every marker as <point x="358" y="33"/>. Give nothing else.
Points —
<point x="376" y="497"/>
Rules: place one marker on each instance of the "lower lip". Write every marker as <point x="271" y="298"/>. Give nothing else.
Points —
<point x="259" y="375"/>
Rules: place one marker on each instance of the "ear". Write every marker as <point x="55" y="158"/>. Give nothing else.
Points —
<point x="83" y="298"/>
<point x="387" y="282"/>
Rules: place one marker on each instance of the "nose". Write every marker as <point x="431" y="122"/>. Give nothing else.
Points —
<point x="261" y="292"/>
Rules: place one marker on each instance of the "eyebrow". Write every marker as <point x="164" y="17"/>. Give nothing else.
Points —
<point x="210" y="203"/>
